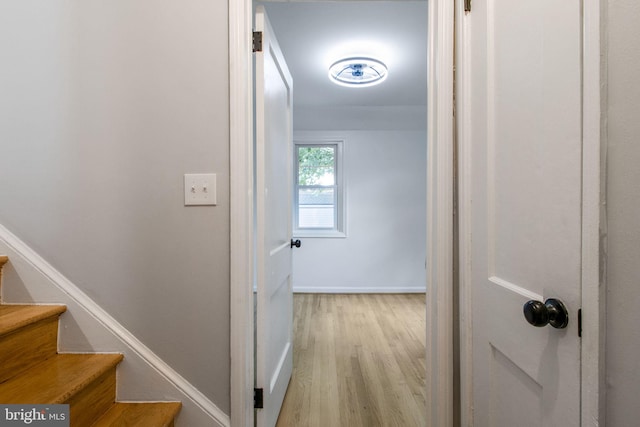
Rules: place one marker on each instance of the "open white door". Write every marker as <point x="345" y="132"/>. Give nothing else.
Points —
<point x="274" y="135"/>
<point x="523" y="106"/>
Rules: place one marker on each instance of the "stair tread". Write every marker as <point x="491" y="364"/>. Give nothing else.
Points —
<point x="125" y="414"/>
<point x="14" y="317"/>
<point x="57" y="379"/>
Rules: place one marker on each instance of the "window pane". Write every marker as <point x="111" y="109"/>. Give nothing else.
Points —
<point x="316" y="165"/>
<point x="316" y="208"/>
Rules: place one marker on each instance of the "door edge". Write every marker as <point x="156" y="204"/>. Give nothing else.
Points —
<point x="593" y="215"/>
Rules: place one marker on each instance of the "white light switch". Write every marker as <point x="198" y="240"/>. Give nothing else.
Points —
<point x="199" y="189"/>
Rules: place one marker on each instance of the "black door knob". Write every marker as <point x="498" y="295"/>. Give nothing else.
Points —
<point x="296" y="243"/>
<point x="553" y="312"/>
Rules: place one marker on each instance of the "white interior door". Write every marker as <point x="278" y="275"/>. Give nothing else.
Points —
<point x="524" y="110"/>
<point x="274" y="135"/>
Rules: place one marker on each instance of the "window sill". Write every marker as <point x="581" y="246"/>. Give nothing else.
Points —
<point x="330" y="234"/>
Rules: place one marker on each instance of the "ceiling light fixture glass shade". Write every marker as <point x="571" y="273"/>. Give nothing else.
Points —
<point x="358" y="72"/>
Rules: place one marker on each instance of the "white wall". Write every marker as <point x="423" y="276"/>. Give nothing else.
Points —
<point x="623" y="211"/>
<point x="104" y="106"/>
<point x="385" y="249"/>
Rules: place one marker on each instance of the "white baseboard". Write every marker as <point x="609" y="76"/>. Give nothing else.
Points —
<point x="86" y="327"/>
<point x="358" y="290"/>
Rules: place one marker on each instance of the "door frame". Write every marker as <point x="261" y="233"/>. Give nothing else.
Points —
<point x="440" y="140"/>
<point x="440" y="208"/>
<point x="242" y="236"/>
<point x="592" y="374"/>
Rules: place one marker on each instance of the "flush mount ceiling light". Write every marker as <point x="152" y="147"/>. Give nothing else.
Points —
<point x="358" y="72"/>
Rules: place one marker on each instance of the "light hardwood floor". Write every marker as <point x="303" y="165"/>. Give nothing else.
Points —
<point x="359" y="360"/>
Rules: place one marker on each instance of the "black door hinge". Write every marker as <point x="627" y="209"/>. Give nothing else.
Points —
<point x="257" y="41"/>
<point x="580" y="322"/>
<point x="467" y="6"/>
<point x="258" y="398"/>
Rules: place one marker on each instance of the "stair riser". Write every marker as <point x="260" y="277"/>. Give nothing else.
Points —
<point x="21" y="350"/>
<point x="89" y="404"/>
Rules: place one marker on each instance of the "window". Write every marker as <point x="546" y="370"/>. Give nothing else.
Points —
<point x="318" y="193"/>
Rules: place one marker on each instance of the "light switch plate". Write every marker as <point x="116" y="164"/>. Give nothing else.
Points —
<point x="199" y="189"/>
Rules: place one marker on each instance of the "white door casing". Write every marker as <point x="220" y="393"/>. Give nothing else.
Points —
<point x="524" y="60"/>
<point x="274" y="136"/>
<point x="440" y="142"/>
<point x="440" y="221"/>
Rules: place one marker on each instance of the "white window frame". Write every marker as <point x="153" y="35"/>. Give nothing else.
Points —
<point x="339" y="231"/>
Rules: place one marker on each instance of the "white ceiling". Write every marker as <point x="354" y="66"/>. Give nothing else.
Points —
<point x="314" y="35"/>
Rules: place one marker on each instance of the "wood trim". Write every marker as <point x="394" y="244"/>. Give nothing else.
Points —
<point x="440" y="171"/>
<point x="241" y="164"/>
<point x="593" y="216"/>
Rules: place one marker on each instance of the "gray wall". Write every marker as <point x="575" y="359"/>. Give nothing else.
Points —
<point x="385" y="248"/>
<point x="104" y="106"/>
<point x="623" y="210"/>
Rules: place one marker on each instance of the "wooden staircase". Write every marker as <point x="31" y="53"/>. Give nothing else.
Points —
<point x="33" y="372"/>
